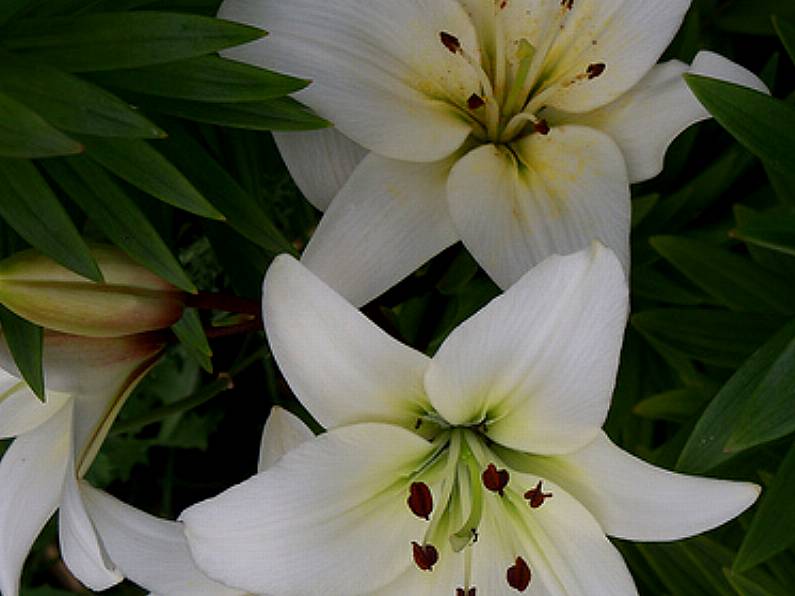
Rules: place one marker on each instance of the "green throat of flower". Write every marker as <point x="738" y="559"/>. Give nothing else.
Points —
<point x="469" y="477"/>
<point x="508" y="106"/>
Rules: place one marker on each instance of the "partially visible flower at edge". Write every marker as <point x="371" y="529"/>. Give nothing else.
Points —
<point x="482" y="470"/>
<point x="515" y="126"/>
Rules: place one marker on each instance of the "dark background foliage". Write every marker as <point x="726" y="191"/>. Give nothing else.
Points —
<point x="127" y="127"/>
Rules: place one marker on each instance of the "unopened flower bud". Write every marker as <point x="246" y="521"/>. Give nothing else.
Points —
<point x="130" y="300"/>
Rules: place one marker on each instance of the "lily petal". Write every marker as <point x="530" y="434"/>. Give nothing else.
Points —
<point x="380" y="90"/>
<point x="637" y="501"/>
<point x="627" y="36"/>
<point x="21" y="411"/>
<point x="320" y="161"/>
<point x="538" y="364"/>
<point x="569" y="189"/>
<point x="308" y="522"/>
<point x="151" y="552"/>
<point x="388" y="219"/>
<point x="652" y="114"/>
<point x="283" y="433"/>
<point x="342" y="367"/>
<point x="32" y="489"/>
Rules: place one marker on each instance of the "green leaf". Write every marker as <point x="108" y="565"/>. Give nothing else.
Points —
<point x="735" y="281"/>
<point x="70" y="103"/>
<point x="26" y="342"/>
<point x="770" y="411"/>
<point x="705" y="447"/>
<point x="29" y="206"/>
<point x="762" y="124"/>
<point x="206" y="78"/>
<point x="109" y="41"/>
<point x="786" y="31"/>
<point x="677" y="405"/>
<point x="641" y="207"/>
<point x="275" y="114"/>
<point x="141" y="165"/>
<point x="650" y="283"/>
<point x="242" y="211"/>
<point x="773" y="527"/>
<point x="717" y="337"/>
<point x="190" y="333"/>
<point x="25" y="134"/>
<point x="117" y="215"/>
<point x="753" y="16"/>
<point x="774" y="231"/>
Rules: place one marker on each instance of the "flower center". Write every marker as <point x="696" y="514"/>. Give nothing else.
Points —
<point x="510" y="101"/>
<point x="468" y="477"/>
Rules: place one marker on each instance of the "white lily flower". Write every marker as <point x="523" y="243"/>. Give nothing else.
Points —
<point x="88" y="381"/>
<point x="515" y="126"/>
<point x="482" y="470"/>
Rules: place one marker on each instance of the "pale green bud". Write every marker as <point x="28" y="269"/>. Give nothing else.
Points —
<point x="130" y="300"/>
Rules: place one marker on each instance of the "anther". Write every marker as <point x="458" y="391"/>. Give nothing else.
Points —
<point x="519" y="575"/>
<point x="420" y="500"/>
<point x="475" y="102"/>
<point x="536" y="496"/>
<point x="425" y="556"/>
<point x="450" y="42"/>
<point x="595" y="70"/>
<point x="470" y="592"/>
<point x="567" y="4"/>
<point x="541" y="127"/>
<point x="495" y="480"/>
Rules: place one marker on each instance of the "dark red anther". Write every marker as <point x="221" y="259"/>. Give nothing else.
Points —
<point x="461" y="592"/>
<point x="541" y="127"/>
<point x="475" y="102"/>
<point x="519" y="575"/>
<point x="536" y="496"/>
<point x="420" y="500"/>
<point x="450" y="42"/>
<point x="425" y="556"/>
<point x="595" y="70"/>
<point x="567" y="4"/>
<point x="495" y="480"/>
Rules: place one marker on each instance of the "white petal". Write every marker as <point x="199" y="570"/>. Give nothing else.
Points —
<point x="538" y="364"/>
<point x="646" y="120"/>
<point x="570" y="188"/>
<point x="320" y="161"/>
<point x="308" y="523"/>
<point x="283" y="432"/>
<point x="342" y="367"/>
<point x="627" y="36"/>
<point x="379" y="69"/>
<point x="80" y="546"/>
<point x="151" y="552"/>
<point x="637" y="501"/>
<point x="21" y="411"/>
<point x="31" y="478"/>
<point x="387" y="221"/>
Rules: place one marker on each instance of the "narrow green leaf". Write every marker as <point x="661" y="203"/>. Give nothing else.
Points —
<point x="762" y="124"/>
<point x="650" y="283"/>
<point x="786" y="31"/>
<point x="773" y="527"/>
<point x="117" y="215"/>
<point x="25" y="134"/>
<point x="770" y="411"/>
<point x="29" y="206"/>
<point x="753" y="16"/>
<point x="141" y="165"/>
<point x="190" y="333"/>
<point x="751" y="587"/>
<point x="642" y="206"/>
<point x="276" y="114"/>
<point x="206" y="78"/>
<point x="26" y="342"/>
<point x="96" y="42"/>
<point x="243" y="212"/>
<point x="704" y="449"/>
<point x="70" y="103"/>
<point x="735" y="281"/>
<point x="774" y="231"/>
<point x="719" y="337"/>
<point x="677" y="405"/>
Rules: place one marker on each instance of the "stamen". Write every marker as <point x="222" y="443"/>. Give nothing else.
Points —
<point x="526" y="55"/>
<point x="542" y="127"/>
<point x="450" y="41"/>
<point x="420" y="500"/>
<point x="500" y="64"/>
<point x="518" y="122"/>
<point x="462" y="592"/>
<point x="495" y="480"/>
<point x="536" y="496"/>
<point x="519" y="575"/>
<point x="595" y="70"/>
<point x="425" y="556"/>
<point x="463" y="537"/>
<point x="475" y="102"/>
